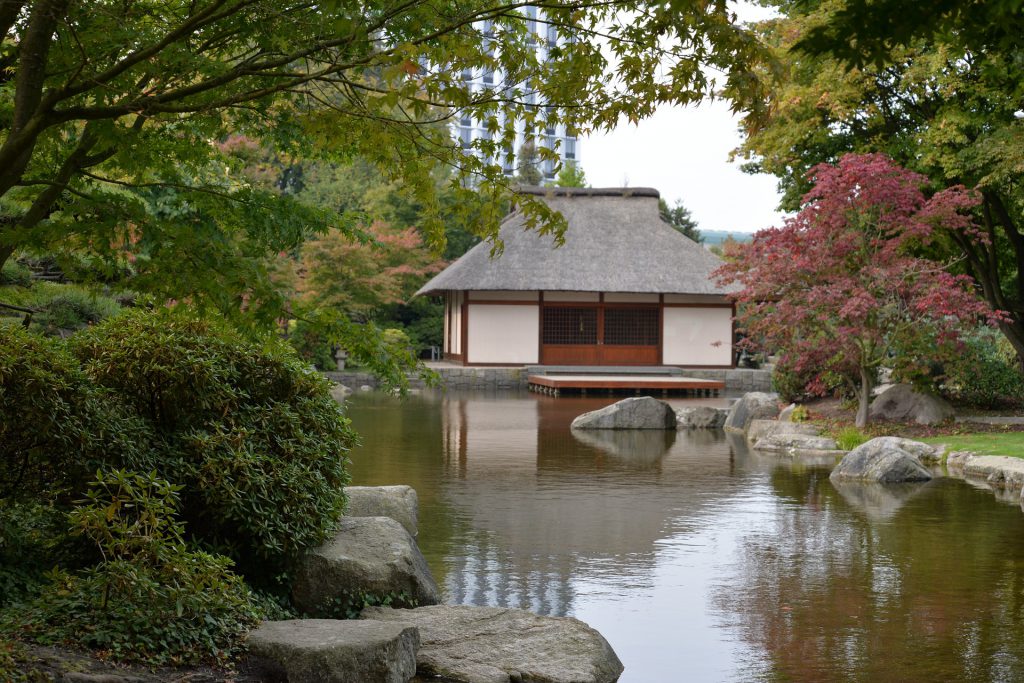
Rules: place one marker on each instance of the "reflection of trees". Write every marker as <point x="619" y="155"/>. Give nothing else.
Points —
<point x="399" y="445"/>
<point x="934" y="594"/>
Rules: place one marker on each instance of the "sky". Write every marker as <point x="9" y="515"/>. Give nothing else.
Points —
<point x="684" y="153"/>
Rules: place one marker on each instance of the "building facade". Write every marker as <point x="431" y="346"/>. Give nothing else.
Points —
<point x="624" y="289"/>
<point x="468" y="129"/>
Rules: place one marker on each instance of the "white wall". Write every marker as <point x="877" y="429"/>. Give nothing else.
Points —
<point x="691" y="335"/>
<point x="630" y="298"/>
<point x="453" y="322"/>
<point x="502" y="295"/>
<point x="571" y="296"/>
<point x="503" y="334"/>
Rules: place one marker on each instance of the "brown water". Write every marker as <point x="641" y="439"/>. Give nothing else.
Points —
<point x="698" y="560"/>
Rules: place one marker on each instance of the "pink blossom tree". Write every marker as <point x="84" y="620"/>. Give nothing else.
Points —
<point x="837" y="289"/>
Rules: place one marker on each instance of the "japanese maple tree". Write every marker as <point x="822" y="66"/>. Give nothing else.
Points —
<point x="837" y="289"/>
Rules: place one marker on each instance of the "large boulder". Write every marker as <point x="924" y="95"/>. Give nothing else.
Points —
<point x="332" y="651"/>
<point x="498" y="645"/>
<point x="755" y="405"/>
<point x="700" y="417"/>
<point x="901" y="403"/>
<point x="885" y="459"/>
<point x="642" y="412"/>
<point x="373" y="555"/>
<point x="397" y="502"/>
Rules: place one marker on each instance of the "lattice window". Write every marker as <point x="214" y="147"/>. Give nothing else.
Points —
<point x="631" y="326"/>
<point x="568" y="325"/>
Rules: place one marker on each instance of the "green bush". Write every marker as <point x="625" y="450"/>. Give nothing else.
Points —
<point x="248" y="430"/>
<point x="56" y="426"/>
<point x="14" y="273"/>
<point x="62" y="306"/>
<point x="312" y="346"/>
<point x="74" y="309"/>
<point x="150" y="599"/>
<point x="986" y="373"/>
<point x="31" y="542"/>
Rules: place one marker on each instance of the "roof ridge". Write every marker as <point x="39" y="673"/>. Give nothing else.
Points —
<point x="546" y="191"/>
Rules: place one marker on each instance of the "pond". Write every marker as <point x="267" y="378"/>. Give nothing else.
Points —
<point x="697" y="559"/>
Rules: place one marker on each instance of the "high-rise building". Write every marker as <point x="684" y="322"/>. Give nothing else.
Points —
<point x="468" y="129"/>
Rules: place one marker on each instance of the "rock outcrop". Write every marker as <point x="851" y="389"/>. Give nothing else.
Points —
<point x="400" y="503"/>
<point x="902" y="404"/>
<point x="332" y="651"/>
<point x="642" y="412"/>
<point x="756" y="405"/>
<point x="998" y="471"/>
<point x="367" y="554"/>
<point x="700" y="417"/>
<point x="886" y="459"/>
<point x="466" y="644"/>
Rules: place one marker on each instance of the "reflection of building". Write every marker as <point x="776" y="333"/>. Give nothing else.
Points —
<point x="624" y="289"/>
<point x="551" y="136"/>
<point x="544" y="508"/>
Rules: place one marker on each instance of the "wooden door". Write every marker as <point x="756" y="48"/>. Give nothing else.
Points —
<point x="599" y="334"/>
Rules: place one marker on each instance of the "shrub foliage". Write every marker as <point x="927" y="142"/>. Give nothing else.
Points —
<point x="150" y="598"/>
<point x="249" y="431"/>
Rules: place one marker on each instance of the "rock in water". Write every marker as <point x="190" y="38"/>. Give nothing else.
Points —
<point x="642" y="412"/>
<point x="700" y="417"/>
<point x="331" y="651"/>
<point x="400" y="503"/>
<point x="756" y="405"/>
<point x="467" y="644"/>
<point x="367" y="554"/>
<point x="902" y="404"/>
<point x="885" y="459"/>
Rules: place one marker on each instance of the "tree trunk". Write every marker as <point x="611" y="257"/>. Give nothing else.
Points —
<point x="5" y="253"/>
<point x="864" y="398"/>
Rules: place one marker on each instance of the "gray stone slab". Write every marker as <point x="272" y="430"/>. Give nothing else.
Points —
<point x="464" y="644"/>
<point x="332" y="651"/>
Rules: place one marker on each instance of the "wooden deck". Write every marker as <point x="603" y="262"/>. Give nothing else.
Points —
<point x="555" y="385"/>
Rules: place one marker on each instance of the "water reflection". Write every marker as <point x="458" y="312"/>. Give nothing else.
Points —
<point x="697" y="559"/>
<point x="634" y="448"/>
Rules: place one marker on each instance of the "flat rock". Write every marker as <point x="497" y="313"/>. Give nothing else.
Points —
<point x="373" y="555"/>
<point x="751" y="406"/>
<point x="998" y="471"/>
<point x="759" y="429"/>
<point x="499" y="645"/>
<point x="700" y="417"/>
<point x="642" y="412"/>
<point x="400" y="503"/>
<point x="333" y="651"/>
<point x="793" y="443"/>
<point x="884" y="459"/>
<point x="901" y="403"/>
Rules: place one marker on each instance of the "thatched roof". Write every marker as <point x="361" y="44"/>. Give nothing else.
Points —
<point x="615" y="242"/>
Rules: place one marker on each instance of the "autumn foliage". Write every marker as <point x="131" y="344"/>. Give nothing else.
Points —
<point x="358" y="276"/>
<point x="837" y="290"/>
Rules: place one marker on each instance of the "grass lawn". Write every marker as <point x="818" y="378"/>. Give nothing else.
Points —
<point x="983" y="443"/>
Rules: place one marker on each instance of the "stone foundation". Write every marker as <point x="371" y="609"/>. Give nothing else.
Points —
<point x="515" y="379"/>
